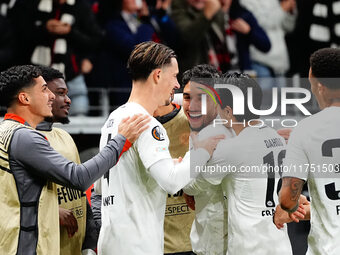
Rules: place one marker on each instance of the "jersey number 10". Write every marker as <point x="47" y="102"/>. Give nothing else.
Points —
<point x="269" y="160"/>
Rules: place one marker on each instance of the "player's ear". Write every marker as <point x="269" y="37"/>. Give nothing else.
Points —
<point x="156" y="75"/>
<point x="321" y="89"/>
<point x="229" y="112"/>
<point x="23" y="98"/>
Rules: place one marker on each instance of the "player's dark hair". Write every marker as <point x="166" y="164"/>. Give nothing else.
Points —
<point x="50" y="74"/>
<point x="14" y="79"/>
<point x="202" y="74"/>
<point x="148" y="56"/>
<point x="243" y="82"/>
<point x="325" y="65"/>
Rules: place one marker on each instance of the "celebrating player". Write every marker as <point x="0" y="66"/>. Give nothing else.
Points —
<point x="209" y="230"/>
<point x="134" y="191"/>
<point x="77" y="228"/>
<point x="251" y="197"/>
<point x="313" y="154"/>
<point x="29" y="219"/>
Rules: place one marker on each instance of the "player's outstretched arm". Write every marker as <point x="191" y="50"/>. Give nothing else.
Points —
<point x="173" y="177"/>
<point x="290" y="193"/>
<point x="30" y="149"/>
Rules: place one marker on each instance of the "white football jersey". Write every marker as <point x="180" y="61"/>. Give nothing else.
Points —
<point x="252" y="198"/>
<point x="133" y="204"/>
<point x="209" y="229"/>
<point x="313" y="154"/>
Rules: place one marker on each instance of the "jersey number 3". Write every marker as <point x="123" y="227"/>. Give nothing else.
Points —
<point x="327" y="151"/>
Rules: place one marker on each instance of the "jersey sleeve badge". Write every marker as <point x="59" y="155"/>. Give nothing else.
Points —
<point x="157" y="133"/>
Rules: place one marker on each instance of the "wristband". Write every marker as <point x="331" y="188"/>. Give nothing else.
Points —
<point x="294" y="208"/>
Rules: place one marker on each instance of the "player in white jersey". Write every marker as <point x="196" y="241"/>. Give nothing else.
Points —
<point x="209" y="229"/>
<point x="134" y="191"/>
<point x="252" y="196"/>
<point x="314" y="153"/>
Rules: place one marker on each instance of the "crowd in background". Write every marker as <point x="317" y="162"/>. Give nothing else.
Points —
<point x="89" y="41"/>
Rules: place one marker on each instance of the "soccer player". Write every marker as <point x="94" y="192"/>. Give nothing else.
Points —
<point x="251" y="197"/>
<point x="77" y="228"/>
<point x="313" y="154"/>
<point x="134" y="192"/>
<point x="209" y="230"/>
<point x="29" y="219"/>
<point x="178" y="216"/>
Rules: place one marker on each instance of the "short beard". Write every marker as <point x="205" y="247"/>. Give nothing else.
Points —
<point x="64" y="120"/>
<point x="196" y="129"/>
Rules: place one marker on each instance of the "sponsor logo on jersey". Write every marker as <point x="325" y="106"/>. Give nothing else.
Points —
<point x="108" y="200"/>
<point x="68" y="195"/>
<point x="157" y="133"/>
<point x="177" y="209"/>
<point x="268" y="212"/>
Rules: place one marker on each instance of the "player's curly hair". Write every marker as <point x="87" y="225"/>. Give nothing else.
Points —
<point x="14" y="79"/>
<point x="50" y="74"/>
<point x="325" y="65"/>
<point x="243" y="82"/>
<point x="203" y="74"/>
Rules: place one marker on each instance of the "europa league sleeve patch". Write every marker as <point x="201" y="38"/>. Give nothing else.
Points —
<point x="157" y="133"/>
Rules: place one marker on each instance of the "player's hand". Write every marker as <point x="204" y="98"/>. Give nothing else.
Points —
<point x="190" y="200"/>
<point x="281" y="217"/>
<point x="301" y="211"/>
<point x="285" y="133"/>
<point x="298" y="215"/>
<point x="208" y="144"/>
<point x="67" y="220"/>
<point x="177" y="160"/>
<point x="132" y="127"/>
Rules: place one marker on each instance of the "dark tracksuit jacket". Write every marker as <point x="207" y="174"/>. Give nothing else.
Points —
<point x="29" y="222"/>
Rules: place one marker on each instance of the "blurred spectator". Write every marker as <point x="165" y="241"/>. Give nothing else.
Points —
<point x="62" y="34"/>
<point x="128" y="23"/>
<point x="8" y="42"/>
<point x="317" y="26"/>
<point x="276" y="19"/>
<point x="202" y="31"/>
<point x="242" y="31"/>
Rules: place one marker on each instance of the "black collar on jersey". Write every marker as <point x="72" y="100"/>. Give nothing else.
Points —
<point x="167" y="117"/>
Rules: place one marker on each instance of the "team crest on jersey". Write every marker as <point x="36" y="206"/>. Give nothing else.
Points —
<point x="157" y="133"/>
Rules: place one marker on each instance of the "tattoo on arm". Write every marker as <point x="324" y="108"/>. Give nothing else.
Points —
<point x="295" y="187"/>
